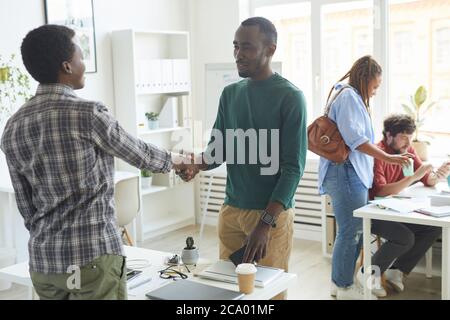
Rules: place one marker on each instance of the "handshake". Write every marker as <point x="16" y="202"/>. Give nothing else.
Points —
<point x="187" y="166"/>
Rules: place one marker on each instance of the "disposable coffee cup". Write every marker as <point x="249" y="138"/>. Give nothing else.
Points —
<point x="246" y="277"/>
<point x="408" y="171"/>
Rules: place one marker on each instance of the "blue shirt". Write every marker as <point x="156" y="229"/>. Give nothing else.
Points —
<point x="354" y="124"/>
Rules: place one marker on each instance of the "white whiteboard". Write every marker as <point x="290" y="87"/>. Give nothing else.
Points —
<point x="217" y="77"/>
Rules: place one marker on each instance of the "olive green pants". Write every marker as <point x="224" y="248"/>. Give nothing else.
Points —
<point x="104" y="278"/>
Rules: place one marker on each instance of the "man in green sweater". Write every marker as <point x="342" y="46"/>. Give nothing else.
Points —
<point x="262" y="112"/>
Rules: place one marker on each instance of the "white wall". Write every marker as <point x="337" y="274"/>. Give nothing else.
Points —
<point x="17" y="17"/>
<point x="109" y="15"/>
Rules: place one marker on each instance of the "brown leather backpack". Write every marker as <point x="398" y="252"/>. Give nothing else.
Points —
<point x="325" y="139"/>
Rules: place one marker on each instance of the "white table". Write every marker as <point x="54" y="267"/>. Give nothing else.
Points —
<point x="19" y="274"/>
<point x="369" y="212"/>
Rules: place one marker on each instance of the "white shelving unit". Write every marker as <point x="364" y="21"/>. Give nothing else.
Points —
<point x="151" y="67"/>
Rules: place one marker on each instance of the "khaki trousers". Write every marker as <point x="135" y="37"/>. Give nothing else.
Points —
<point x="236" y="224"/>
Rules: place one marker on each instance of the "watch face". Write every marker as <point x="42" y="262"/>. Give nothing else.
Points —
<point x="267" y="218"/>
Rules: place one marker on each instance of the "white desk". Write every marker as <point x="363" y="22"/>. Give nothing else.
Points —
<point x="19" y="274"/>
<point x="369" y="212"/>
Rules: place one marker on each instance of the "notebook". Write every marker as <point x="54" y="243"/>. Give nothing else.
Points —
<point x="437" y="212"/>
<point x="192" y="290"/>
<point x="224" y="271"/>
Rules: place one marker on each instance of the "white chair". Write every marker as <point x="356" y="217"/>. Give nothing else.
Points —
<point x="127" y="200"/>
<point x="221" y="170"/>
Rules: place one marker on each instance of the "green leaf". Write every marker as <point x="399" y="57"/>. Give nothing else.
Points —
<point x="408" y="110"/>
<point x="420" y="123"/>
<point x="429" y="107"/>
<point x="413" y="103"/>
<point x="420" y="96"/>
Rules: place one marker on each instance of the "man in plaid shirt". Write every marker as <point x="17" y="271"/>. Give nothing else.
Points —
<point x="60" y="152"/>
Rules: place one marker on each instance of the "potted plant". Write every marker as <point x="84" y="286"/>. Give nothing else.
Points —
<point x="189" y="255"/>
<point x="146" y="178"/>
<point x="152" y="118"/>
<point x="14" y="88"/>
<point x="418" y="111"/>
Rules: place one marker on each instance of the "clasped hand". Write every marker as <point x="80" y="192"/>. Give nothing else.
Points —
<point x="184" y="166"/>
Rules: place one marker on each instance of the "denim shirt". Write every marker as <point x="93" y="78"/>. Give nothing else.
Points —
<point x="354" y="124"/>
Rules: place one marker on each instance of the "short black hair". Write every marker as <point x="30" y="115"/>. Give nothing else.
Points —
<point x="44" y="49"/>
<point x="265" y="26"/>
<point x="398" y="123"/>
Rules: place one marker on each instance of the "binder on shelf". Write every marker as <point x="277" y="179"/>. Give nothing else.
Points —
<point x="149" y="76"/>
<point x="167" y="75"/>
<point x="185" y="114"/>
<point x="168" y="117"/>
<point x="162" y="75"/>
<point x="181" y="75"/>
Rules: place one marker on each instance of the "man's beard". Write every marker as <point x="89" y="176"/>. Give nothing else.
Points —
<point x="244" y="74"/>
<point x="396" y="151"/>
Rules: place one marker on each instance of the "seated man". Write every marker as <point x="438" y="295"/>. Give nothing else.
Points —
<point x="405" y="243"/>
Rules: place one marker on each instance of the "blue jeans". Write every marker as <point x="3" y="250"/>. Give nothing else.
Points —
<point x="347" y="193"/>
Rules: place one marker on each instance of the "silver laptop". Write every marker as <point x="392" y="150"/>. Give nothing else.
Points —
<point x="192" y="290"/>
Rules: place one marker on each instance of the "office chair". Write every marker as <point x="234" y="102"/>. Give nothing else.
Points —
<point x="127" y="203"/>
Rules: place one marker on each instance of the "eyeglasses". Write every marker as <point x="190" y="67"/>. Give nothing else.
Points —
<point x="171" y="273"/>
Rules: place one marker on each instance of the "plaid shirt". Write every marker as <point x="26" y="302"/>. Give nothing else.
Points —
<point x="60" y="151"/>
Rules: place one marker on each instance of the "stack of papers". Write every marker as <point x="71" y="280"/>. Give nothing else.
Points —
<point x="437" y="212"/>
<point x="398" y="205"/>
<point x="406" y="206"/>
<point x="224" y="271"/>
<point x="440" y="200"/>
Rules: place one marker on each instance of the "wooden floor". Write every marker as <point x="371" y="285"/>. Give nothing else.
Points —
<point x="313" y="270"/>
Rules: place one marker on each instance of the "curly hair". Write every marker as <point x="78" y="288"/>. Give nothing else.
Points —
<point x="398" y="123"/>
<point x="44" y="49"/>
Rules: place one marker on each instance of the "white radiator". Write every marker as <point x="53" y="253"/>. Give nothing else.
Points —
<point x="308" y="202"/>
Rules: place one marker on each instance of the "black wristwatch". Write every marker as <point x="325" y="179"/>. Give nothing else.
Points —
<point x="267" y="218"/>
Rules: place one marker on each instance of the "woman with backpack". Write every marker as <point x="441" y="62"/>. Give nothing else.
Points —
<point x="348" y="182"/>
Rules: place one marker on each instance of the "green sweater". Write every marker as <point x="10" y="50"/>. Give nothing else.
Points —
<point x="274" y="103"/>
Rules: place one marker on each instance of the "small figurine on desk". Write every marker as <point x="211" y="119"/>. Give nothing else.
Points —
<point x="190" y="252"/>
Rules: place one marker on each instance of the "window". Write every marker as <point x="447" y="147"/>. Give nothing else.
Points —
<point x="420" y="55"/>
<point x="403" y="47"/>
<point x="346" y="36"/>
<point x="418" y="51"/>
<point x="442" y="36"/>
<point x="293" y="23"/>
<point x="362" y="42"/>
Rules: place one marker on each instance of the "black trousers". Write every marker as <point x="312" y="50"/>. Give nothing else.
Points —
<point x="405" y="244"/>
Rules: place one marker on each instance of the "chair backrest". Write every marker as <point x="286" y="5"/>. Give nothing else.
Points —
<point x="127" y="200"/>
